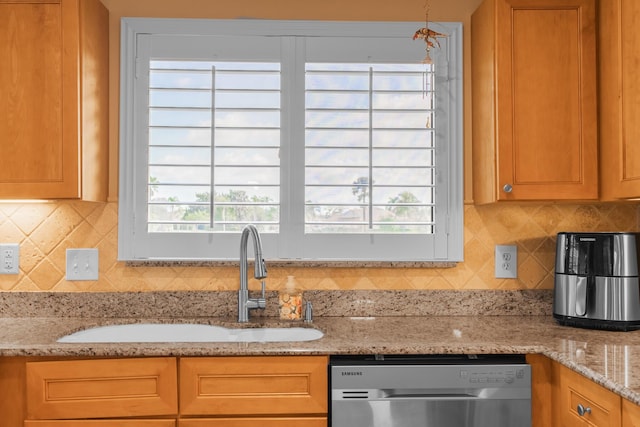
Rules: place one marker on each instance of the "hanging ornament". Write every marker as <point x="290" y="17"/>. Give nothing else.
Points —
<point x="429" y="36"/>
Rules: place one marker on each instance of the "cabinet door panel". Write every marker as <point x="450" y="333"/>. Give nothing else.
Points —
<point x="602" y="407"/>
<point x="534" y="100"/>
<point x="630" y="56"/>
<point x="253" y="422"/>
<point x="38" y="79"/>
<point x="102" y="388"/>
<point x="541" y="390"/>
<point x="54" y="99"/>
<point x="630" y="414"/>
<point x="619" y="93"/>
<point x="101" y="423"/>
<point x="253" y="385"/>
<point x="547" y="121"/>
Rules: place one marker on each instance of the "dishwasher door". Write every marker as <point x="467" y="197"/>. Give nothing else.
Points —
<point x="430" y="395"/>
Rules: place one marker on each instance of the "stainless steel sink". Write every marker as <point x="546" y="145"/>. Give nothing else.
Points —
<point x="188" y="332"/>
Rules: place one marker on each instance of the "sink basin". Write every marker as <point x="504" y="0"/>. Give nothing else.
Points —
<point x="188" y="332"/>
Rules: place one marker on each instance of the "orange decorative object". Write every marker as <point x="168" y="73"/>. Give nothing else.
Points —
<point x="429" y="36"/>
<point x="290" y="301"/>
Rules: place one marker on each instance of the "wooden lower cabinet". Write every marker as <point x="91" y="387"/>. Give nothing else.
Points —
<point x="238" y="386"/>
<point x="558" y="392"/>
<point x="630" y="414"/>
<point x="100" y="423"/>
<point x="102" y="388"/>
<point x="541" y="386"/>
<point x="266" y="391"/>
<point x="581" y="402"/>
<point x="253" y="422"/>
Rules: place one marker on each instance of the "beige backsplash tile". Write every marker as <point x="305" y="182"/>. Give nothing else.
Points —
<point x="46" y="230"/>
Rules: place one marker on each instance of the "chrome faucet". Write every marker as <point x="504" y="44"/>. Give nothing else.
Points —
<point x="260" y="272"/>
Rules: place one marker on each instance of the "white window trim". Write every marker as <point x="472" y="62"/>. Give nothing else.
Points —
<point x="447" y="245"/>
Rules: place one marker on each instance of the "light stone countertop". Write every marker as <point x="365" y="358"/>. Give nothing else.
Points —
<point x="611" y="359"/>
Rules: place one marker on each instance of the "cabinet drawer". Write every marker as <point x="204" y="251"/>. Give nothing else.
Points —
<point x="603" y="405"/>
<point x="101" y="423"/>
<point x="101" y="388"/>
<point x="282" y="385"/>
<point x="253" y="422"/>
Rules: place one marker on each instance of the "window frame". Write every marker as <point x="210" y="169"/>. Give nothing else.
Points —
<point x="446" y="244"/>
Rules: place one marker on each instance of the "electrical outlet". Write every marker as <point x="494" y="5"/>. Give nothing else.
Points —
<point x="82" y="264"/>
<point x="9" y="258"/>
<point x="506" y="260"/>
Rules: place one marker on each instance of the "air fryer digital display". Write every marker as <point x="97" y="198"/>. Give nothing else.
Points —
<point x="590" y="255"/>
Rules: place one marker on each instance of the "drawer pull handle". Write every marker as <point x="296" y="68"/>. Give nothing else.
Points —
<point x="507" y="188"/>
<point x="582" y="410"/>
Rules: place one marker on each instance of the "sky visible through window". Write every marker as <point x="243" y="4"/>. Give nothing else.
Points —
<point x="369" y="143"/>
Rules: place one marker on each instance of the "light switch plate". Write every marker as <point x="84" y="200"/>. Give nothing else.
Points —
<point x="82" y="264"/>
<point x="9" y="258"/>
<point x="506" y="260"/>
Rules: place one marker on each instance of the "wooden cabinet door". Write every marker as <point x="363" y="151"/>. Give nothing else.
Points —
<point x="38" y="147"/>
<point x="266" y="385"/>
<point x="101" y="388"/>
<point x="43" y="95"/>
<point x="253" y="422"/>
<point x="534" y="100"/>
<point x="581" y="402"/>
<point x="541" y="390"/>
<point x="101" y="423"/>
<point x="630" y="414"/>
<point x="619" y="56"/>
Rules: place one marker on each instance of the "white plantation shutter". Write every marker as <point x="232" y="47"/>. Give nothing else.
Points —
<point x="335" y="144"/>
<point x="369" y="148"/>
<point x="224" y="114"/>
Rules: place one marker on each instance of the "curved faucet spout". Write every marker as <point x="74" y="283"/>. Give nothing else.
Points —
<point x="260" y="272"/>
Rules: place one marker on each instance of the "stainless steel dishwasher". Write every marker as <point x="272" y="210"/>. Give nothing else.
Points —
<point x="430" y="391"/>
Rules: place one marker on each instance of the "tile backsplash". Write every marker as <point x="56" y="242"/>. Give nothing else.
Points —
<point x="46" y="230"/>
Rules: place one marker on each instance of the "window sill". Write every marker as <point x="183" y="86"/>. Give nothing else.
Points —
<point x="298" y="264"/>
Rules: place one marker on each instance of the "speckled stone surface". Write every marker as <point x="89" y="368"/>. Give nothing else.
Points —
<point x="608" y="358"/>
<point x="325" y="303"/>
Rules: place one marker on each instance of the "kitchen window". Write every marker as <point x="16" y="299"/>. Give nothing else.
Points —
<point x="333" y="138"/>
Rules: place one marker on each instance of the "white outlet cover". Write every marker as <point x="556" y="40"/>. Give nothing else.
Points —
<point x="82" y="264"/>
<point x="506" y="262"/>
<point x="9" y="258"/>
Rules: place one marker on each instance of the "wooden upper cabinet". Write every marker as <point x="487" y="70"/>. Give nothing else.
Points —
<point x="534" y="100"/>
<point x="619" y="58"/>
<point x="54" y="99"/>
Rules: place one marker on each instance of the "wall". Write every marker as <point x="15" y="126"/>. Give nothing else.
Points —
<point x="46" y="230"/>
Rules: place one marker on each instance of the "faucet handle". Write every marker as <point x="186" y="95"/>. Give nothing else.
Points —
<point x="262" y="301"/>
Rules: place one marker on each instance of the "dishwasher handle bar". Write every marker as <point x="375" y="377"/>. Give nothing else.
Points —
<point x="439" y="395"/>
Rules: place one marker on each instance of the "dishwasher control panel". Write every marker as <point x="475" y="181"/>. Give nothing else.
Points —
<point x="491" y="375"/>
<point x="420" y="372"/>
<point x="409" y="391"/>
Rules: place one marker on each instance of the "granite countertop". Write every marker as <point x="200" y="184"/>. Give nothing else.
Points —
<point x="608" y="358"/>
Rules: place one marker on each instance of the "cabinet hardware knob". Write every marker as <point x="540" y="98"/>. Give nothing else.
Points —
<point x="582" y="410"/>
<point x="507" y="188"/>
